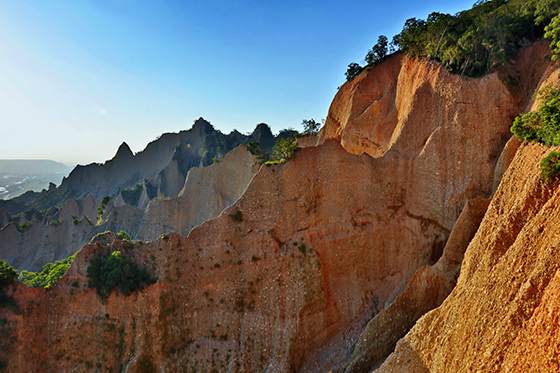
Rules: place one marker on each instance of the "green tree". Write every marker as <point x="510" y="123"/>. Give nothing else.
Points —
<point x="378" y="52"/>
<point x="102" y="205"/>
<point x="122" y="235"/>
<point x="285" y="148"/>
<point x="310" y="127"/>
<point x="353" y="70"/>
<point x="543" y="125"/>
<point x="116" y="272"/>
<point x="7" y="273"/>
<point x="51" y="273"/>
<point x="550" y="167"/>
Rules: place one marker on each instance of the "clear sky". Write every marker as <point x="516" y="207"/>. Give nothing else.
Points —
<point x="79" y="77"/>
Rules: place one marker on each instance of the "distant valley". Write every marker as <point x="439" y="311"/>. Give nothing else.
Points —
<point x="19" y="176"/>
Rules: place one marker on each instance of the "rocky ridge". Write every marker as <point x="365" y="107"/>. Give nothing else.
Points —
<point x="205" y="193"/>
<point x="292" y="275"/>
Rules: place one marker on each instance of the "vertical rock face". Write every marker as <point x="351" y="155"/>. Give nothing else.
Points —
<point x="447" y="131"/>
<point x="279" y="274"/>
<point x="205" y="194"/>
<point x="500" y="317"/>
<point x="287" y="278"/>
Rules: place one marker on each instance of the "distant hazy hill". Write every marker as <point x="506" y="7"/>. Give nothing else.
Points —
<point x="32" y="167"/>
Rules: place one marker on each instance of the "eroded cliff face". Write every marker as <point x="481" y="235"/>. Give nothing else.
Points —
<point x="265" y="292"/>
<point x="205" y="193"/>
<point x="502" y="314"/>
<point x="292" y="275"/>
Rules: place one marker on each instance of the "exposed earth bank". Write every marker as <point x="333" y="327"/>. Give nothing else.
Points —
<point x="315" y="255"/>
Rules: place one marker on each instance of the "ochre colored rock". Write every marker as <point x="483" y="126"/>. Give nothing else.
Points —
<point x="265" y="287"/>
<point x="500" y="315"/>
<point x="425" y="291"/>
<point x="287" y="278"/>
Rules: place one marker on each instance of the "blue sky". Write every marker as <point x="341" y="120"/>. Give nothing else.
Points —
<point x="79" y="77"/>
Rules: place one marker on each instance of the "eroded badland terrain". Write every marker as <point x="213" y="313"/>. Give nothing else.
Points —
<point x="413" y="234"/>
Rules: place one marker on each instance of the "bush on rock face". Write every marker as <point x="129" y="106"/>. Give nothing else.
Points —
<point x="117" y="272"/>
<point x="550" y="167"/>
<point x="543" y="125"/>
<point x="7" y="273"/>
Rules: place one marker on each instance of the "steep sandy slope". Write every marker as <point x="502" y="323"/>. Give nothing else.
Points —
<point x="502" y="316"/>
<point x="205" y="193"/>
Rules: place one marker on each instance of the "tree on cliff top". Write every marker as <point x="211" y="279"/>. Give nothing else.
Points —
<point x="378" y="52"/>
<point x="285" y="148"/>
<point x="116" y="272"/>
<point x="7" y="273"/>
<point x="474" y="41"/>
<point x="310" y="127"/>
<point x="51" y="273"/>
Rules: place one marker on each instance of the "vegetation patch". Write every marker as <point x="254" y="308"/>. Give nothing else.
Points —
<point x="51" y="273"/>
<point x="117" y="272"/>
<point x="132" y="195"/>
<point x="285" y="148"/>
<point x="543" y="125"/>
<point x="101" y="208"/>
<point x="550" y="167"/>
<point x="123" y="236"/>
<point x="474" y="41"/>
<point x="237" y="216"/>
<point x="7" y="275"/>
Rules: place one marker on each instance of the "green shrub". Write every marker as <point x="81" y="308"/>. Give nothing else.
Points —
<point x="51" y="273"/>
<point x="550" y="166"/>
<point x="7" y="273"/>
<point x="543" y="125"/>
<point x="56" y="223"/>
<point x="123" y="236"/>
<point x="116" y="272"/>
<point x="237" y="217"/>
<point x="102" y="205"/>
<point x="285" y="147"/>
<point x="271" y="163"/>
<point x="26" y="225"/>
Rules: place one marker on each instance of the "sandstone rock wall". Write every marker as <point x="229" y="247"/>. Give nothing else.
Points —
<point x="250" y="291"/>
<point x="496" y="316"/>
<point x="206" y="192"/>
<point x="288" y="277"/>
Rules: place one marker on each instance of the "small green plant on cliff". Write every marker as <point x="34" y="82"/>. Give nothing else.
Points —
<point x="57" y="222"/>
<point x="237" y="216"/>
<point x="123" y="236"/>
<point x="285" y="147"/>
<point x="550" y="167"/>
<point x="101" y="208"/>
<point x="116" y="272"/>
<point x="543" y="125"/>
<point x="7" y="273"/>
<point x="50" y="274"/>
